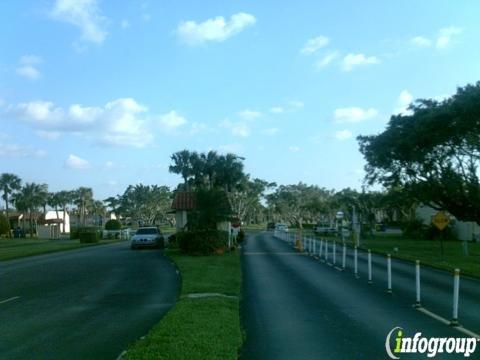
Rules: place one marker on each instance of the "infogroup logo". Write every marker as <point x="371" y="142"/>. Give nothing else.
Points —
<point x="429" y="346"/>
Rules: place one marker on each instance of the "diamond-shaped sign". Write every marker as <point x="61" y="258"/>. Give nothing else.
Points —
<point x="440" y="220"/>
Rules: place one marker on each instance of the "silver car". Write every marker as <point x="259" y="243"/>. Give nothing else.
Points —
<point x="147" y="237"/>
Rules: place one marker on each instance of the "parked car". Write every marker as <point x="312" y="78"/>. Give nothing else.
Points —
<point x="147" y="237"/>
<point x="281" y="227"/>
<point x="271" y="226"/>
<point x="324" y="230"/>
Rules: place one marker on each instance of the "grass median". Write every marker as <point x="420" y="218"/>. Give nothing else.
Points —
<point x="18" y="248"/>
<point x="456" y="253"/>
<point x="204" y="327"/>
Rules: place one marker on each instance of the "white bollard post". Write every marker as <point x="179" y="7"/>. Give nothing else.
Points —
<point x="326" y="250"/>
<point x="369" y="267"/>
<point x="389" y="273"/>
<point x="355" y="261"/>
<point x="320" y="251"/>
<point x="314" y="243"/>
<point x="344" y="256"/>
<point x="417" y="283"/>
<point x="334" y="252"/>
<point x="456" y="290"/>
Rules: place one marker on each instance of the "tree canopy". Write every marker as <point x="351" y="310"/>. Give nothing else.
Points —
<point x="433" y="153"/>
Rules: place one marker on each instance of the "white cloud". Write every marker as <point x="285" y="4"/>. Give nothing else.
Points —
<point x="240" y="128"/>
<point x="404" y="100"/>
<point x="326" y="60"/>
<point x="30" y="60"/>
<point x="120" y="122"/>
<point x="124" y="24"/>
<point x="84" y="14"/>
<point x="351" y="61"/>
<point x="421" y="41"/>
<point x="445" y="36"/>
<point x="276" y="110"/>
<point x="20" y="151"/>
<point x="353" y="114"/>
<point x="294" y="148"/>
<point x="75" y="162"/>
<point x="216" y="29"/>
<point x="314" y="44"/>
<point x="343" y="135"/>
<point x="28" y="72"/>
<point x="248" y="114"/>
<point x="49" y="135"/>
<point x="28" y="67"/>
<point x="172" y="120"/>
<point x="196" y="127"/>
<point x="270" y="131"/>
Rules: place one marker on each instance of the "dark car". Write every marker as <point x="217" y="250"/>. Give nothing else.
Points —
<point x="271" y="226"/>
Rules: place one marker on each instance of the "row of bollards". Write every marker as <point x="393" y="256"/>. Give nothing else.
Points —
<point x="320" y="248"/>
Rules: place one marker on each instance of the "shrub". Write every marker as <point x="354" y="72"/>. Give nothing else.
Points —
<point x="88" y="235"/>
<point x="73" y="233"/>
<point x="113" y="225"/>
<point x="202" y="242"/>
<point x="413" y="228"/>
<point x="432" y="233"/>
<point x="4" y="225"/>
<point x="240" y="236"/>
<point x="172" y="241"/>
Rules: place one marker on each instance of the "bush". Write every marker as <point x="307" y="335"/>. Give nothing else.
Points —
<point x="202" y="242"/>
<point x="172" y="241"/>
<point x="88" y="235"/>
<point x="432" y="233"/>
<point x="113" y="225"/>
<point x="413" y="228"/>
<point x="4" y="225"/>
<point x="73" y="233"/>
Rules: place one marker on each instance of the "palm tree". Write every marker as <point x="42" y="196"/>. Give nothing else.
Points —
<point x="8" y="184"/>
<point x="30" y="198"/>
<point x="182" y="165"/>
<point x="83" y="197"/>
<point x="96" y="208"/>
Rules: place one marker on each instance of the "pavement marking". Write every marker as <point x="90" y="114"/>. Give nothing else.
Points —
<point x="121" y="355"/>
<point x="10" y="299"/>
<point x="446" y="322"/>
<point x="338" y="268"/>
<point x="433" y="315"/>
<point x="468" y="332"/>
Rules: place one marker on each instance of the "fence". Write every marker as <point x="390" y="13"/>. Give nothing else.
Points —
<point x="321" y="248"/>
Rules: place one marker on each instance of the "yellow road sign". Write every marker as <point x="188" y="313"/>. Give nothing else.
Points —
<point x="440" y="220"/>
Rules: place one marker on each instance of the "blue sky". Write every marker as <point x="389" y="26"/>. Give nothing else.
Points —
<point x="101" y="93"/>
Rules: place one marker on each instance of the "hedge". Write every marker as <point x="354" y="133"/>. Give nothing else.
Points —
<point x="202" y="242"/>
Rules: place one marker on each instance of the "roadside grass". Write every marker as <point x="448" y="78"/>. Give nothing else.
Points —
<point x="427" y="251"/>
<point x="18" y="248"/>
<point x="200" y="328"/>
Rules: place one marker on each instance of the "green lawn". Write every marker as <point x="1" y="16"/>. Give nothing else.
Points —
<point x="17" y="248"/>
<point x="202" y="328"/>
<point x="427" y="251"/>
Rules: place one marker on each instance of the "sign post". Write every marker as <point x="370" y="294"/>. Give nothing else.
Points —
<point x="441" y="220"/>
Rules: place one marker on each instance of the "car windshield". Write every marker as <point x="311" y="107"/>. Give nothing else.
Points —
<point x="147" y="231"/>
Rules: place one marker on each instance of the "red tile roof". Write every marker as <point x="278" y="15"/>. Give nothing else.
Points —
<point x="184" y="200"/>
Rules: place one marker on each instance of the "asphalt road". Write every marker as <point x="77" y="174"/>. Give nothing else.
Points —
<point x="295" y="306"/>
<point x="82" y="304"/>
